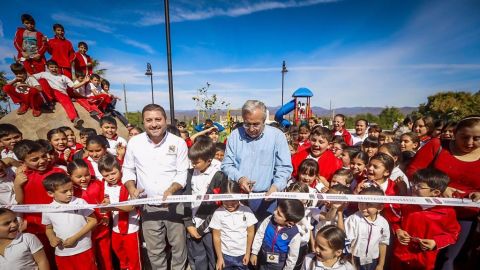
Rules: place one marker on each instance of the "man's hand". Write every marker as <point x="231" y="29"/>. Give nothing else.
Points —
<point x="135" y="193"/>
<point x="427" y="244"/>
<point x="272" y="189"/>
<point x="246" y="184"/>
<point x="403" y="237"/>
<point x="253" y="259"/>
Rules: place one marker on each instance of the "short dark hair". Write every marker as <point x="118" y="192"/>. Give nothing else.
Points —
<point x="370" y="141"/>
<point x="298" y="186"/>
<point x="220" y="147"/>
<point x="182" y="124"/>
<point x="294" y="210"/>
<point x="94" y="75"/>
<point x="8" y="129"/>
<point x="65" y="128"/>
<point x="434" y="178"/>
<point x="230" y="187"/>
<point x="107" y="120"/>
<point x="54" y="131"/>
<point x="361" y="155"/>
<point x="27" y="18"/>
<point x="341" y="189"/>
<point x="203" y="149"/>
<point x="375" y="128"/>
<point x="372" y="190"/>
<point x="26" y="147"/>
<point x="345" y="172"/>
<point x="51" y="63"/>
<point x="18" y="69"/>
<point x="83" y="43"/>
<point x="154" y="107"/>
<point x="334" y="236"/>
<point x="393" y="149"/>
<point x="75" y="164"/>
<point x="173" y="129"/>
<point x="362" y="119"/>
<point x="386" y="160"/>
<point x="413" y="136"/>
<point x="107" y="163"/>
<point x="104" y="82"/>
<point x="323" y="132"/>
<point x="341" y="116"/>
<point x="309" y="167"/>
<point x="46" y="145"/>
<point x="57" y="25"/>
<point x="338" y="139"/>
<point x="98" y="139"/>
<point x="88" y="132"/>
<point x="54" y="180"/>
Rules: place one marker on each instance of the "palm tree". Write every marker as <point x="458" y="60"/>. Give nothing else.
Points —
<point x="95" y="65"/>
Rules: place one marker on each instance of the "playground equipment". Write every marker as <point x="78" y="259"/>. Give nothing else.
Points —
<point x="302" y="112"/>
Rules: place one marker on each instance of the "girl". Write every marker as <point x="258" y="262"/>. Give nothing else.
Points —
<point x="330" y="243"/>
<point x="374" y="130"/>
<point x="447" y="131"/>
<point x="134" y="131"/>
<point x="409" y="142"/>
<point x="397" y="175"/>
<point x="331" y="212"/>
<point x="308" y="174"/>
<point x="347" y="156"/>
<point x="303" y="135"/>
<point x="358" y="166"/>
<point x="93" y="192"/>
<point x="96" y="148"/>
<point x="71" y="139"/>
<point x="437" y="128"/>
<point x="424" y="128"/>
<point x="233" y="230"/>
<point x="370" y="146"/>
<point x="338" y="144"/>
<point x="58" y="140"/>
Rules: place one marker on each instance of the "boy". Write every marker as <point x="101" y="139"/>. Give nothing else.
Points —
<point x="125" y="227"/>
<point x="24" y="90"/>
<point x="108" y="125"/>
<point x="81" y="96"/>
<point x="62" y="51"/>
<point x="339" y="129"/>
<point x="19" y="250"/>
<point x="220" y="151"/>
<point x="83" y="62"/>
<point x="272" y="252"/>
<point x="369" y="233"/>
<point x="424" y="230"/>
<point x="202" y="179"/>
<point x="9" y="136"/>
<point x="56" y="87"/>
<point x="105" y="89"/>
<point x="31" y="46"/>
<point x="85" y="133"/>
<point x="94" y="93"/>
<point x="69" y="232"/>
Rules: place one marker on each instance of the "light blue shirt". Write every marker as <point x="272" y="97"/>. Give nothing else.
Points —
<point x="265" y="159"/>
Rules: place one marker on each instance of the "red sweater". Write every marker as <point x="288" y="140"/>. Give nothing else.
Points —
<point x="62" y="52"/>
<point x="41" y="44"/>
<point x="327" y="163"/>
<point x="81" y="65"/>
<point x="438" y="223"/>
<point x="347" y="137"/>
<point x="463" y="175"/>
<point x="94" y="194"/>
<point x="35" y="193"/>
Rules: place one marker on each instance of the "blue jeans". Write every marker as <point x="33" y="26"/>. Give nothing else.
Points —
<point x="234" y="263"/>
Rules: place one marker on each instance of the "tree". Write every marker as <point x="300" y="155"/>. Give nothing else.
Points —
<point x="209" y="105"/>
<point x="3" y="95"/>
<point x="451" y="105"/>
<point x="389" y="116"/>
<point x="100" y="72"/>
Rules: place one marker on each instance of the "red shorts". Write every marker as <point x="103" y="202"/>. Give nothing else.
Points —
<point x="81" y="261"/>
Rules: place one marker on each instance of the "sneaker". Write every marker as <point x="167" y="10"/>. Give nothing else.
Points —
<point x="23" y="109"/>
<point x="77" y="123"/>
<point x="95" y="116"/>
<point x="36" y="113"/>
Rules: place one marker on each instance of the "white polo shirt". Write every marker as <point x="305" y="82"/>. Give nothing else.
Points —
<point x="68" y="223"/>
<point x="358" y="140"/>
<point x="156" y="166"/>
<point x="366" y="236"/>
<point x="200" y="183"/>
<point x="58" y="82"/>
<point x="396" y="173"/>
<point x="7" y="195"/>
<point x="112" y="149"/>
<point x="233" y="228"/>
<point x="311" y="264"/>
<point x="19" y="253"/>
<point x="30" y="81"/>
<point x="113" y="193"/>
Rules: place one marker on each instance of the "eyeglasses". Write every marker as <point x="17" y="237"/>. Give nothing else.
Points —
<point x="418" y="187"/>
<point x="254" y="125"/>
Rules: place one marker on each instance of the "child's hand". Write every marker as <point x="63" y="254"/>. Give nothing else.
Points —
<point x="104" y="221"/>
<point x="475" y="196"/>
<point x="253" y="259"/>
<point x="379" y="267"/>
<point x="36" y="56"/>
<point x="427" y="244"/>
<point x="69" y="242"/>
<point x="55" y="242"/>
<point x="193" y="232"/>
<point x="246" y="259"/>
<point x="324" y="189"/>
<point x="66" y="153"/>
<point x="220" y="264"/>
<point x="403" y="237"/>
<point x="452" y="192"/>
<point x="105" y="201"/>
<point x="121" y="149"/>
<point x="21" y="177"/>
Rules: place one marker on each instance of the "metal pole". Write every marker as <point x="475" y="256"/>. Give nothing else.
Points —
<point x="284" y="70"/>
<point x="151" y="83"/>
<point x="169" y="62"/>
<point x="125" y="99"/>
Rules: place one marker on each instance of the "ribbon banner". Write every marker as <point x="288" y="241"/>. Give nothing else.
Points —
<point x="45" y="208"/>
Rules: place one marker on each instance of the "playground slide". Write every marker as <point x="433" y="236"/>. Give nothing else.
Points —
<point x="285" y="109"/>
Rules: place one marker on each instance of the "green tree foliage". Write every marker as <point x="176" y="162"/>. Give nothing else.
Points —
<point x="451" y="105"/>
<point x="209" y="105"/>
<point x="389" y="116"/>
<point x="95" y="64"/>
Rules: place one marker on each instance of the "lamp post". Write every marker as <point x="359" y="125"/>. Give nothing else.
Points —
<point x="150" y="73"/>
<point x="169" y="61"/>
<point x="284" y="70"/>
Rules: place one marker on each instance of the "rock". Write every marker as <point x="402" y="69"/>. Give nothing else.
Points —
<point x="37" y="127"/>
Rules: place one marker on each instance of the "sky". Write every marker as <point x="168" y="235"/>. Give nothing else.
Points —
<point x="350" y="52"/>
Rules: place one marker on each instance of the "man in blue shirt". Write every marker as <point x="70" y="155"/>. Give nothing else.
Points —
<point x="258" y="157"/>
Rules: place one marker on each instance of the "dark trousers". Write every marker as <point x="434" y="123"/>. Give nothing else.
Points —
<point x="370" y="266"/>
<point x="201" y="255"/>
<point x="234" y="263"/>
<point x="262" y="209"/>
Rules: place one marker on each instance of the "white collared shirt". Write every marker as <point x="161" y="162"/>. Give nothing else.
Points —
<point x="112" y="149"/>
<point x="156" y="166"/>
<point x="200" y="183"/>
<point x="97" y="175"/>
<point x="357" y="139"/>
<point x="113" y="193"/>
<point x="58" y="82"/>
<point x="7" y="194"/>
<point x="318" y="265"/>
<point x="19" y="253"/>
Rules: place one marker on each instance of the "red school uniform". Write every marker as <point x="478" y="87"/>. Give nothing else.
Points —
<point x="95" y="194"/>
<point x="303" y="145"/>
<point x="62" y="52"/>
<point x="438" y="223"/>
<point x="347" y="137"/>
<point x="30" y="96"/>
<point x="31" y="65"/>
<point x="327" y="163"/>
<point x="81" y="62"/>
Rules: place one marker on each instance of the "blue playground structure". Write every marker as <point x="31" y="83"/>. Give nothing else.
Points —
<point x="303" y="110"/>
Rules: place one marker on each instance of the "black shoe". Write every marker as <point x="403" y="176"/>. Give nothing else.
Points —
<point x="95" y="116"/>
<point x="77" y="123"/>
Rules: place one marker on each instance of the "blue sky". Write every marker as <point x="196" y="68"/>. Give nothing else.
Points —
<point x="353" y="52"/>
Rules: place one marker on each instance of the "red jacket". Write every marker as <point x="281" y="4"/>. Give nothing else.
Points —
<point x="347" y="137"/>
<point x="81" y="65"/>
<point x="62" y="52"/>
<point x="327" y="163"/>
<point x="306" y="145"/>
<point x="438" y="223"/>
<point x="94" y="194"/>
<point x="35" y="193"/>
<point x="41" y="44"/>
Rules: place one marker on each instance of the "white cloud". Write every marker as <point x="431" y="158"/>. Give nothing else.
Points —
<point x="69" y="19"/>
<point x="1" y="30"/>
<point x="147" y="48"/>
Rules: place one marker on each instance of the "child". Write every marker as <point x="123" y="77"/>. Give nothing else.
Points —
<point x="347" y="156"/>
<point x="81" y="96"/>
<point x="62" y="51"/>
<point x="71" y="139"/>
<point x="83" y="62"/>
<point x="272" y="252"/>
<point x="9" y="136"/>
<point x="108" y="125"/>
<point x="24" y="90"/>
<point x="31" y="46"/>
<point x="94" y="93"/>
<point x="203" y="179"/>
<point x="220" y="151"/>
<point x="56" y="87"/>
<point x="424" y="230"/>
<point x="369" y="233"/>
<point x="93" y="192"/>
<point x="19" y="250"/>
<point x="358" y="166"/>
<point x="424" y="128"/>
<point x="447" y="130"/>
<point x="339" y="129"/>
<point x="69" y="231"/>
<point x="397" y="175"/>
<point x="374" y="130"/>
<point x="303" y="135"/>
<point x="337" y="145"/>
<point x="105" y="85"/>
<point x="370" y="146"/>
<point x="233" y="230"/>
<point x="96" y="148"/>
<point x="343" y="177"/>
<point x="329" y="246"/>
<point x="52" y="155"/>
<point x="319" y="139"/>
<point x="331" y="212"/>
<point x="85" y="133"/>
<point x="409" y="142"/>
<point x="125" y="225"/>
<point x="135" y="131"/>
<point x="7" y="176"/>
<point x="58" y="140"/>
<point x="308" y="174"/>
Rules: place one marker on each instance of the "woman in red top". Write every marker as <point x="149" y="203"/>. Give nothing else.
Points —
<point x="460" y="160"/>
